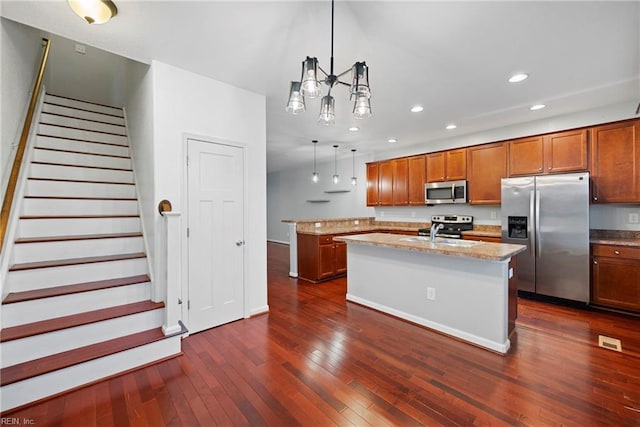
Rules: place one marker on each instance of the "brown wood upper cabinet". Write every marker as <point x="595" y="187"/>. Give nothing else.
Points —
<point x="555" y="153"/>
<point x="615" y="162"/>
<point x="372" y="184"/>
<point x="417" y="171"/>
<point x="400" y="174"/>
<point x="486" y="166"/>
<point x="380" y="183"/>
<point x="447" y="165"/>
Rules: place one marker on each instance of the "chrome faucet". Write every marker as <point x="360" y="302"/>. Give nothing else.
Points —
<point x="435" y="227"/>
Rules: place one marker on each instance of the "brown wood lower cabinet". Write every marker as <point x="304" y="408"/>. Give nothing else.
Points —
<point x="320" y="258"/>
<point x="615" y="277"/>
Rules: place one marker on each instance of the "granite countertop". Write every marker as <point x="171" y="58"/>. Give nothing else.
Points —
<point x="615" y="237"/>
<point x="483" y="250"/>
<point x="616" y="241"/>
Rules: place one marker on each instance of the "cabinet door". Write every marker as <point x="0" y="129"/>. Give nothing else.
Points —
<point x="456" y="164"/>
<point x="435" y="167"/>
<point x="487" y="165"/>
<point x="326" y="261"/>
<point x="526" y="156"/>
<point x="616" y="283"/>
<point x="615" y="162"/>
<point x="385" y="178"/>
<point x="565" y="152"/>
<point x="341" y="257"/>
<point x="416" y="180"/>
<point x="400" y="181"/>
<point x="372" y="184"/>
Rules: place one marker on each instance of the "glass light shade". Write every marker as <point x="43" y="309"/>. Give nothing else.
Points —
<point x="295" y="105"/>
<point x="327" y="110"/>
<point x="336" y="178"/>
<point x="315" y="177"/>
<point x="310" y="86"/>
<point x="362" y="108"/>
<point x="360" y="81"/>
<point x="354" y="181"/>
<point x="94" y="11"/>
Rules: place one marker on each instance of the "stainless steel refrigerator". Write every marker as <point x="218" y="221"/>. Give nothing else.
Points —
<point x="550" y="215"/>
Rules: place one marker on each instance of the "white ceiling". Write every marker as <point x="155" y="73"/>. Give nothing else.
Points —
<point x="453" y="58"/>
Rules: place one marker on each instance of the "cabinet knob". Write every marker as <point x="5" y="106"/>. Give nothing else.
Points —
<point x="595" y="197"/>
<point x="595" y="262"/>
<point x="549" y="167"/>
<point x="616" y="252"/>
<point x="540" y="169"/>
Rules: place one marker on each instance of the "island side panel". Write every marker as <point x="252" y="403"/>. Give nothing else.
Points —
<point x="471" y="295"/>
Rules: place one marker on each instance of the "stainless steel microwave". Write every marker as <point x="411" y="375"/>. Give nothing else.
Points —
<point x="436" y="193"/>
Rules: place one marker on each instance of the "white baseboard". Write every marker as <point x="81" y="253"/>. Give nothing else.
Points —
<point x="258" y="311"/>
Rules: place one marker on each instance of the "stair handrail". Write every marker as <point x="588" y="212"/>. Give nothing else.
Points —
<point x="170" y="276"/>
<point x="7" y="203"/>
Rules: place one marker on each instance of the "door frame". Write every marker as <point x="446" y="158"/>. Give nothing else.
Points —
<point x="184" y="274"/>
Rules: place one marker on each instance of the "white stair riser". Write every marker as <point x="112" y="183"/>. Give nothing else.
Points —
<point x="65" y="305"/>
<point x="81" y="124"/>
<point x="63" y="157"/>
<point x="44" y="129"/>
<point x="77" y="226"/>
<point x="44" y="251"/>
<point x="23" y="392"/>
<point x="83" y="105"/>
<point x="74" y="112"/>
<point x="79" y="173"/>
<point x="35" y="347"/>
<point x="40" y="278"/>
<point x="81" y="146"/>
<point x="48" y="207"/>
<point x="79" y="189"/>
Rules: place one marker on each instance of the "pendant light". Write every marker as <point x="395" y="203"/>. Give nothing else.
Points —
<point x="310" y="85"/>
<point x="314" y="175"/>
<point x="336" y="177"/>
<point x="94" y="11"/>
<point x="354" y="179"/>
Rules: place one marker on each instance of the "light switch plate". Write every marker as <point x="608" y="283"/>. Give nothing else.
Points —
<point x="633" y="218"/>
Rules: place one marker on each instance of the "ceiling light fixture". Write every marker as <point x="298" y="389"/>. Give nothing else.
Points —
<point x="516" y="78"/>
<point x="537" y="107"/>
<point x="309" y="85"/>
<point x="314" y="175"/>
<point x="354" y="179"/>
<point x="392" y="140"/>
<point x="451" y="126"/>
<point x="94" y="11"/>
<point x="417" y="108"/>
<point x="354" y="129"/>
<point x="336" y="177"/>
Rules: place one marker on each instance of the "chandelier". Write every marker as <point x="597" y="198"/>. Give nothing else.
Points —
<point x="310" y="86"/>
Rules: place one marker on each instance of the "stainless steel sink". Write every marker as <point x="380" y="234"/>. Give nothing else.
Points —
<point x="416" y="239"/>
<point x="457" y="242"/>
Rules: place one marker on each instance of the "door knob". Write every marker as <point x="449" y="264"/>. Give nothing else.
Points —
<point x="240" y="243"/>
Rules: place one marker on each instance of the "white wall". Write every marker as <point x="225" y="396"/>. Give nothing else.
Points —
<point x="288" y="189"/>
<point x="190" y="104"/>
<point x="20" y="55"/>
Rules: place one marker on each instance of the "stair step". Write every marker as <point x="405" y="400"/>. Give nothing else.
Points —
<point x="75" y="187"/>
<point x="89" y="141"/>
<point x="81" y="104"/>
<point x="74" y="261"/>
<point x="44" y="141"/>
<point x="56" y="291"/>
<point x="59" y="323"/>
<point x="81" y="123"/>
<point x="56" y="108"/>
<point x="89" y="135"/>
<point x="23" y="371"/>
<point x="39" y="206"/>
<point x="71" y="165"/>
<point x="50" y="155"/>
<point x="75" y="237"/>
<point x="49" y="170"/>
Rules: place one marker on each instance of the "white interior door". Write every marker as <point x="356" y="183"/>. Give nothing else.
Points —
<point x="216" y="241"/>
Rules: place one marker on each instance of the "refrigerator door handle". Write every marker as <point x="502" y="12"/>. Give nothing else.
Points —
<point x="538" y="238"/>
<point x="532" y="246"/>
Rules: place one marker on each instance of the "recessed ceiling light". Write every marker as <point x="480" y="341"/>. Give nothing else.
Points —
<point x="518" y="77"/>
<point x="451" y="126"/>
<point x="537" y="107"/>
<point x="354" y="129"/>
<point x="417" y="108"/>
<point x="392" y="140"/>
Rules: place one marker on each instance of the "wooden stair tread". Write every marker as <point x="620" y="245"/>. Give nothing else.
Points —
<point x="75" y="288"/>
<point x="81" y="129"/>
<point x="79" y="319"/>
<point x="79" y="198"/>
<point x="81" y="140"/>
<point x="80" y="166"/>
<point x="43" y="365"/>
<point x="83" y="109"/>
<point x="82" y="100"/>
<point x="85" y="153"/>
<point x="81" y="118"/>
<point x="76" y="237"/>
<point x="84" y="181"/>
<point x="79" y="216"/>
<point x="75" y="261"/>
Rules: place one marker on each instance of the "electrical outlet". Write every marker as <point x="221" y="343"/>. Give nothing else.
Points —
<point x="356" y="222"/>
<point x="633" y="218"/>
<point x="431" y="293"/>
<point x="494" y="215"/>
<point x="318" y="224"/>
<point x="80" y="48"/>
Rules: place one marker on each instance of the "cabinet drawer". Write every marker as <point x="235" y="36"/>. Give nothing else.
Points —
<point x="614" y="251"/>
<point x="325" y="240"/>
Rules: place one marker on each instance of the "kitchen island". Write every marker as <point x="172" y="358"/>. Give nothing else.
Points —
<point x="465" y="289"/>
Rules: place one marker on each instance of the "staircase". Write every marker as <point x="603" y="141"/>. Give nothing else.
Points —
<point x="78" y="307"/>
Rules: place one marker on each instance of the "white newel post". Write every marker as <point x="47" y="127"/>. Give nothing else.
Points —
<point x="172" y="273"/>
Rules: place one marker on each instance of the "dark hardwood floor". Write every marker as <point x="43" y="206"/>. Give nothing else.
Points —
<point x="316" y="360"/>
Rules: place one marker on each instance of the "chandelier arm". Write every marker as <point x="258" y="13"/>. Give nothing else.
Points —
<point x="323" y="71"/>
<point x="345" y="72"/>
<point x="343" y="83"/>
